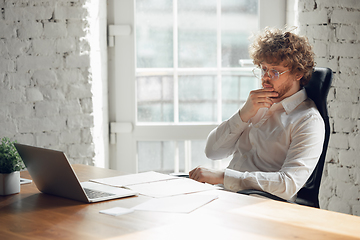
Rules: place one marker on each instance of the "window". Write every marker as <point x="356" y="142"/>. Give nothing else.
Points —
<point x="188" y="71"/>
<point x="187" y="58"/>
<point x="191" y="71"/>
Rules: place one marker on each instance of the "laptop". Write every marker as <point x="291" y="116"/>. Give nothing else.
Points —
<point x="53" y="174"/>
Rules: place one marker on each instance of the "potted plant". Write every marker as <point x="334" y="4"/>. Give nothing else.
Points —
<point x="10" y="166"/>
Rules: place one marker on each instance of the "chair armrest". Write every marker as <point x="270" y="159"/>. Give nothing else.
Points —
<point x="263" y="194"/>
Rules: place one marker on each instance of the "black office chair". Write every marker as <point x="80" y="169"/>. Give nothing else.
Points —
<point x="317" y="89"/>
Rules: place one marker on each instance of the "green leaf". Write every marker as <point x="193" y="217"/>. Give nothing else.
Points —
<point x="10" y="160"/>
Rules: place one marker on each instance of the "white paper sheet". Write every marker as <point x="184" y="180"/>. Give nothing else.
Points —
<point x="132" y="179"/>
<point x="25" y="181"/>
<point x="171" y="187"/>
<point x="116" y="211"/>
<point x="177" y="204"/>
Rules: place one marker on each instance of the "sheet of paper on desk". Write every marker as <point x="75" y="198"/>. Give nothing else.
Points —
<point x="131" y="179"/>
<point x="116" y="211"/>
<point x="25" y="181"/>
<point x="177" y="204"/>
<point x="171" y="187"/>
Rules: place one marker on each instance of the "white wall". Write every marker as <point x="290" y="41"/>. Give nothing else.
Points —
<point x="97" y="37"/>
<point x="48" y="89"/>
<point x="333" y="27"/>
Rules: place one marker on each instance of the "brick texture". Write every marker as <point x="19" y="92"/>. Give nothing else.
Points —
<point x="45" y="82"/>
<point x="333" y="28"/>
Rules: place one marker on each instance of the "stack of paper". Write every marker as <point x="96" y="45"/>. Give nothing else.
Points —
<point x="170" y="193"/>
<point x="156" y="185"/>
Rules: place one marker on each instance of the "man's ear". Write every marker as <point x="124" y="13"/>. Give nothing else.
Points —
<point x="298" y="76"/>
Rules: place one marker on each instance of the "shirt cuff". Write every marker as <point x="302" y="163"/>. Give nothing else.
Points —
<point x="235" y="122"/>
<point x="232" y="180"/>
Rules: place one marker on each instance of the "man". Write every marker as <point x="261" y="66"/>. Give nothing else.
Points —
<point x="276" y="138"/>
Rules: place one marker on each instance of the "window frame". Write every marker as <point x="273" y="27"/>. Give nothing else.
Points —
<point x="125" y="131"/>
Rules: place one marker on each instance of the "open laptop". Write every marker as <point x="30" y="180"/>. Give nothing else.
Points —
<point x="53" y="174"/>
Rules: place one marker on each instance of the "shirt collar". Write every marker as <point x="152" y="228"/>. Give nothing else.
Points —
<point x="290" y="103"/>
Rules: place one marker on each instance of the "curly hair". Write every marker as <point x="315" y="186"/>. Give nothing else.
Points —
<point x="275" y="46"/>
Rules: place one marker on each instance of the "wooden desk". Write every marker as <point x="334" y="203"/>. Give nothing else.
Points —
<point x="33" y="215"/>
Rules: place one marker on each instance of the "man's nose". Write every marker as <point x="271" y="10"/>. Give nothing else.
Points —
<point x="266" y="75"/>
<point x="265" y="82"/>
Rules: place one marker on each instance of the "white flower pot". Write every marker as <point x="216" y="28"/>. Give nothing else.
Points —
<point x="9" y="183"/>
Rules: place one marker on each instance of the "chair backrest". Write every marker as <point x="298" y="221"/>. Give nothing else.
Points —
<point x="317" y="89"/>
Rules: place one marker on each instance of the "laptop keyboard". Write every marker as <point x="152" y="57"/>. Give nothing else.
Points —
<point x="96" y="194"/>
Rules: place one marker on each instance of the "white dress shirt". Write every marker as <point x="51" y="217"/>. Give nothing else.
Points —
<point x="275" y="151"/>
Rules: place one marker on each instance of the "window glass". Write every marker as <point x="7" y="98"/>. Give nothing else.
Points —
<point x="159" y="156"/>
<point x="165" y="156"/>
<point x="197" y="98"/>
<point x="187" y="59"/>
<point x="239" y="21"/>
<point x="197" y="33"/>
<point x="235" y="90"/>
<point x="155" y="99"/>
<point x="154" y="34"/>
<point x="197" y="26"/>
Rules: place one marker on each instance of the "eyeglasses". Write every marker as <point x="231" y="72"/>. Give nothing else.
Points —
<point x="259" y="73"/>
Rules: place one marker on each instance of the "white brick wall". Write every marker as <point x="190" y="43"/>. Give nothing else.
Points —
<point x="333" y="28"/>
<point x="46" y="80"/>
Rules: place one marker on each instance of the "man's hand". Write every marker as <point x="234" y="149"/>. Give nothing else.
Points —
<point x="257" y="99"/>
<point x="205" y="175"/>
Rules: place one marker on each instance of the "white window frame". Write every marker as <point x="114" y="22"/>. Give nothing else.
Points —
<point x="125" y="132"/>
